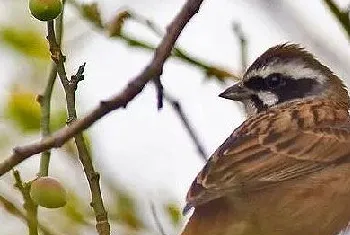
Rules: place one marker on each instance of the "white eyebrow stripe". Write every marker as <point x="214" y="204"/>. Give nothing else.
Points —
<point x="296" y="70"/>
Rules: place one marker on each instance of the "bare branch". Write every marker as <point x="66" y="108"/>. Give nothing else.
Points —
<point x="45" y="100"/>
<point x="12" y="209"/>
<point x="243" y="44"/>
<point x="156" y="219"/>
<point x="70" y="86"/>
<point x="185" y="121"/>
<point x="135" y="86"/>
<point x="115" y="30"/>
<point x="160" y="94"/>
<point x="30" y="207"/>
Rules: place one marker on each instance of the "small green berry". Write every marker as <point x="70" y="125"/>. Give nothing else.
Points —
<point x="48" y="192"/>
<point x="45" y="10"/>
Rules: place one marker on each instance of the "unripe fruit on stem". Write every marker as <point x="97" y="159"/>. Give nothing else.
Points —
<point x="48" y="192"/>
<point x="45" y="10"/>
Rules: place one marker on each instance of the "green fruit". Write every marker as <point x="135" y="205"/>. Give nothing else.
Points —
<point x="48" y="192"/>
<point x="45" y="10"/>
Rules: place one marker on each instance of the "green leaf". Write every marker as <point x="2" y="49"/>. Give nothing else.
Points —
<point x="28" y="42"/>
<point x="174" y="213"/>
<point x="23" y="109"/>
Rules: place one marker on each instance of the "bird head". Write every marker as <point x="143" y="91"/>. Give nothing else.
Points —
<point x="286" y="73"/>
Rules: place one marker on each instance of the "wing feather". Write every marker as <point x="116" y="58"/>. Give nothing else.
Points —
<point x="252" y="162"/>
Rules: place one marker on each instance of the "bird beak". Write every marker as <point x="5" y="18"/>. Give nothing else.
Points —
<point x="236" y="92"/>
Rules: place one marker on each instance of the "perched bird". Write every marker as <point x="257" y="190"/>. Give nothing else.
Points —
<point x="286" y="169"/>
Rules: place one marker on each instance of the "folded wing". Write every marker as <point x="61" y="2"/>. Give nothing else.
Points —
<point x="254" y="162"/>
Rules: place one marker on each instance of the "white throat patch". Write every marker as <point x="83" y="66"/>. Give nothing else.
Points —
<point x="268" y="98"/>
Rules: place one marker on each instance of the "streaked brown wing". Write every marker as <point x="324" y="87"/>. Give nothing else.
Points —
<point x="256" y="161"/>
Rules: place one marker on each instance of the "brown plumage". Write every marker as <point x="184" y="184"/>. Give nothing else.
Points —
<point x="286" y="169"/>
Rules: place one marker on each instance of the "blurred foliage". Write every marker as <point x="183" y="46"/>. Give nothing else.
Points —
<point x="117" y="24"/>
<point x="28" y="42"/>
<point x="126" y="211"/>
<point x="115" y="29"/>
<point x="75" y="209"/>
<point x="9" y="207"/>
<point x="92" y="14"/>
<point x="23" y="109"/>
<point x="174" y="212"/>
<point x="58" y="120"/>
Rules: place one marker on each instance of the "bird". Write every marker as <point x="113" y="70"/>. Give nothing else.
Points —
<point x="286" y="169"/>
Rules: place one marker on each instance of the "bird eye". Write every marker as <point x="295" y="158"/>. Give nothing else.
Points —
<point x="274" y="81"/>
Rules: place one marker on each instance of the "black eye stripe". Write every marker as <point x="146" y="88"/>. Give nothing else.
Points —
<point x="255" y="83"/>
<point x="267" y="83"/>
<point x="284" y="87"/>
<point x="275" y="81"/>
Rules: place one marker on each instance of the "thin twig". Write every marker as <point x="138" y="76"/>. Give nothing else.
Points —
<point x="211" y="71"/>
<point x="160" y="94"/>
<point x="45" y="104"/>
<point x="243" y="44"/>
<point x="342" y="16"/>
<point x="30" y="207"/>
<point x="156" y="219"/>
<point x="12" y="209"/>
<point x="116" y="31"/>
<point x="185" y="121"/>
<point x="93" y="177"/>
<point x="45" y="100"/>
<point x="120" y="100"/>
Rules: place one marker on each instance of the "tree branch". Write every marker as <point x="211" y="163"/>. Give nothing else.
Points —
<point x="237" y="29"/>
<point x="70" y="86"/>
<point x="45" y="100"/>
<point x="157" y="220"/>
<point x="135" y="86"/>
<point x="12" y="209"/>
<point x="115" y="30"/>
<point x="28" y="205"/>
<point x="175" y="104"/>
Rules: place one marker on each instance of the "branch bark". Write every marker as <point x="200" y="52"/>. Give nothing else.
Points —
<point x="115" y="31"/>
<point x="28" y="205"/>
<point x="70" y="87"/>
<point x="175" y="104"/>
<point x="121" y="100"/>
<point x="12" y="209"/>
<point x="45" y="100"/>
